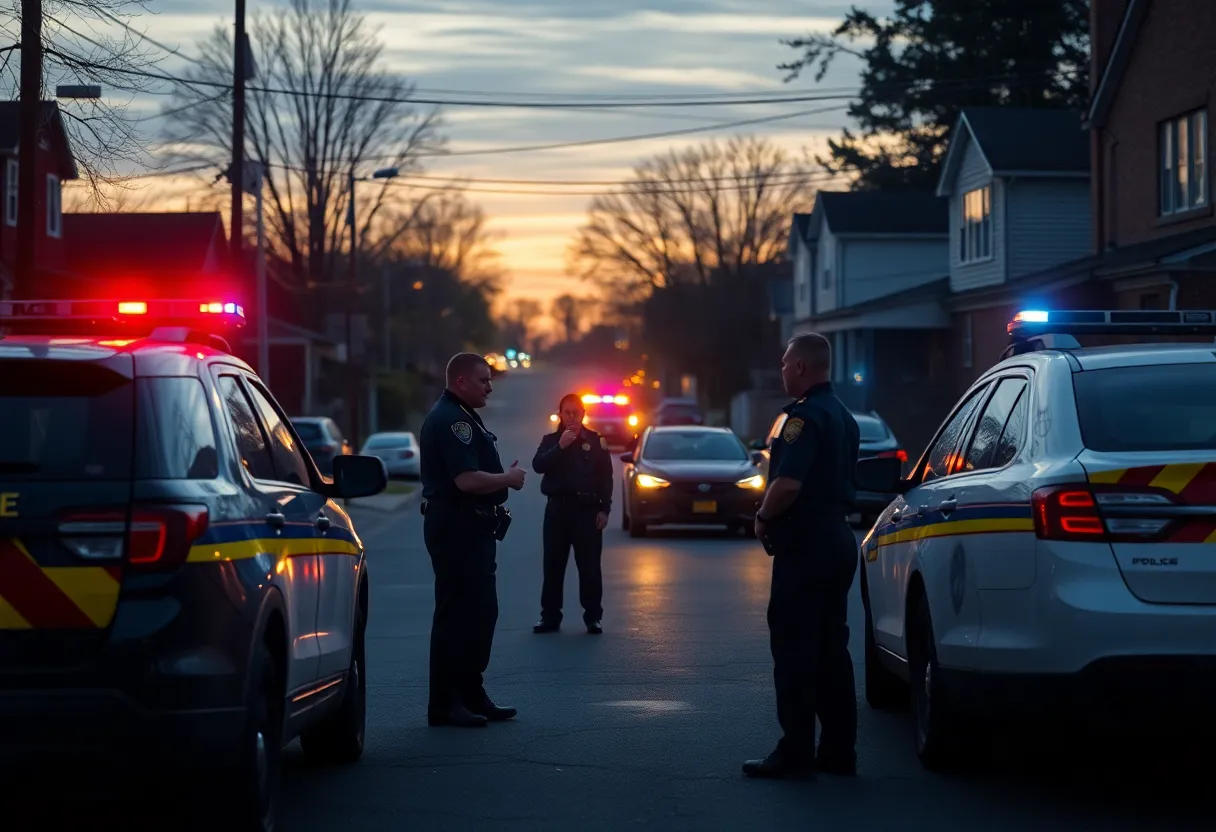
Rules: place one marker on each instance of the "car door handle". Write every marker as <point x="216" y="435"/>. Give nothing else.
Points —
<point x="323" y="522"/>
<point x="897" y="515"/>
<point x="276" y="519"/>
<point x="948" y="506"/>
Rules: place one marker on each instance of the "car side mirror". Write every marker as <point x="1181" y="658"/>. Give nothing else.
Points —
<point x="357" y="475"/>
<point x="627" y="458"/>
<point x="759" y="445"/>
<point x="881" y="475"/>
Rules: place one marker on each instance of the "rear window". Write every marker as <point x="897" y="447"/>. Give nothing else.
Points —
<point x="64" y="421"/>
<point x="175" y="439"/>
<point x="390" y="440"/>
<point x="1159" y="408"/>
<point x="308" y="431"/>
<point x="872" y="430"/>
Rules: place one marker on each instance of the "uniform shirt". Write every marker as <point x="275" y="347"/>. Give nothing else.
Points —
<point x="818" y="447"/>
<point x="583" y="468"/>
<point x="453" y="441"/>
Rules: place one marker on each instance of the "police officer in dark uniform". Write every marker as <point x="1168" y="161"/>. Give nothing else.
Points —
<point x="803" y="523"/>
<point x="464" y="487"/>
<point x="577" y="471"/>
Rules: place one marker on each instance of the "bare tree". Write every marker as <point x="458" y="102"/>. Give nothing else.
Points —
<point x="445" y="231"/>
<point x="688" y="215"/>
<point x="570" y="313"/>
<point x="334" y="113"/>
<point x="79" y="46"/>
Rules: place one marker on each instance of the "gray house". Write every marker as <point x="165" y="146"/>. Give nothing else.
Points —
<point x="1018" y="184"/>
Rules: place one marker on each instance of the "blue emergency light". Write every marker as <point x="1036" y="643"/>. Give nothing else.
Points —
<point x="1032" y="323"/>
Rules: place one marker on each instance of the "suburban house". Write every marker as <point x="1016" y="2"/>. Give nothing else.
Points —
<point x="1018" y="185"/>
<point x="869" y="270"/>
<point x="54" y="165"/>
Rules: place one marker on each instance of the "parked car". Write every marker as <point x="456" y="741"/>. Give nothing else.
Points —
<point x="877" y="440"/>
<point x="678" y="411"/>
<point x="399" y="452"/>
<point x="323" y="440"/>
<point x="689" y="475"/>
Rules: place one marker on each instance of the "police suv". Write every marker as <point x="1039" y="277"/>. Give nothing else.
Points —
<point x="178" y="584"/>
<point x="1053" y="546"/>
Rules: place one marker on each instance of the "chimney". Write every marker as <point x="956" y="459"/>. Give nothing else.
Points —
<point x="1105" y="19"/>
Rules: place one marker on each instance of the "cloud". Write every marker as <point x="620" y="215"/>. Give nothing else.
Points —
<point x="675" y="76"/>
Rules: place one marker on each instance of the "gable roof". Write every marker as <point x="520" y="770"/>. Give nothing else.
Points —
<point x="1019" y="141"/>
<point x="800" y="230"/>
<point x="145" y="244"/>
<point x="882" y="212"/>
<point x="1116" y="63"/>
<point x="10" y="134"/>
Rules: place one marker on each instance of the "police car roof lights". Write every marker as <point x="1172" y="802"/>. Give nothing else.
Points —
<point x="183" y="321"/>
<point x="1030" y="323"/>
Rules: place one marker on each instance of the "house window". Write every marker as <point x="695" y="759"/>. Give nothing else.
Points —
<point x="967" y="345"/>
<point x="11" y="172"/>
<point x="1184" y="163"/>
<point x="975" y="230"/>
<point x="54" y="207"/>
<point x="827" y="278"/>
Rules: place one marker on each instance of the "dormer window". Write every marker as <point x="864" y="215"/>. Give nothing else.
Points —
<point x="975" y="226"/>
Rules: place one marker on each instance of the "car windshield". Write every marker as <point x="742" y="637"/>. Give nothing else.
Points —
<point x="1158" y="408"/>
<point x="64" y="421"/>
<point x="308" y="431"/>
<point x="699" y="445"/>
<point x="872" y="430"/>
<point x="389" y="440"/>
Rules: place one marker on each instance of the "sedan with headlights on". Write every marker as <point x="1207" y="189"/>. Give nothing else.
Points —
<point x="399" y="452"/>
<point x="690" y="475"/>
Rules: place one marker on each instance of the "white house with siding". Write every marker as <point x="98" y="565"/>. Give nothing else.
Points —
<point x="1017" y="181"/>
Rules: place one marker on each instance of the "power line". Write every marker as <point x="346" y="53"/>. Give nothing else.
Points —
<point x="621" y="189"/>
<point x="747" y="179"/>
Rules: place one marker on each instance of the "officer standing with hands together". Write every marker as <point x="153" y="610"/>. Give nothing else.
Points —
<point x="803" y="523"/>
<point x="464" y="487"/>
<point x="577" y="479"/>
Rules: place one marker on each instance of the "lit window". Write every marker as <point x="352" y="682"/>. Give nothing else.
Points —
<point x="54" y="207"/>
<point x="1183" y="163"/>
<point x="975" y="228"/>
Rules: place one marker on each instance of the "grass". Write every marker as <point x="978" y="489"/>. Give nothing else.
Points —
<point x="399" y="487"/>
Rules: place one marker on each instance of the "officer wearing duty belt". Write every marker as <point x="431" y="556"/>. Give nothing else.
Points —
<point x="577" y="471"/>
<point x="803" y="523"/>
<point x="464" y="487"/>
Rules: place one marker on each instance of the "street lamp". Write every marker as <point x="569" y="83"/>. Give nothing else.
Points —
<point x="352" y="284"/>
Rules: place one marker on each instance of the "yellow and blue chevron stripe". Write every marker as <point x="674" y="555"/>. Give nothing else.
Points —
<point x="989" y="518"/>
<point x="242" y="540"/>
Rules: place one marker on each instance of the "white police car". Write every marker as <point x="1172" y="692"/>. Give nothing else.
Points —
<point x="1052" y="547"/>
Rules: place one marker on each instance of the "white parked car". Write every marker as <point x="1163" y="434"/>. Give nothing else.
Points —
<point x="399" y="451"/>
<point x="1053" y="545"/>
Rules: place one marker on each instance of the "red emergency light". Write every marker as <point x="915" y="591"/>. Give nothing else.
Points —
<point x="210" y="316"/>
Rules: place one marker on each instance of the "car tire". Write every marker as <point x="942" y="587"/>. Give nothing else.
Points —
<point x="338" y="738"/>
<point x="884" y="690"/>
<point x="637" y="529"/>
<point x="937" y="727"/>
<point x="250" y="790"/>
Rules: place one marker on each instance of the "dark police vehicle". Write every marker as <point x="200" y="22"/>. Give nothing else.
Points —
<point x="178" y="583"/>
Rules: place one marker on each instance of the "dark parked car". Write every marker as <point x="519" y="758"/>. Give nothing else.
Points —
<point x="678" y="412"/>
<point x="690" y="475"/>
<point x="877" y="440"/>
<point x="323" y="440"/>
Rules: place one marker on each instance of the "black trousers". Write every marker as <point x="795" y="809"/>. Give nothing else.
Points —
<point x="571" y="526"/>
<point x="466" y="605"/>
<point x="809" y="636"/>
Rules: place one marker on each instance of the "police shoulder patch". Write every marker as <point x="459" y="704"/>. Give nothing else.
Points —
<point x="792" y="430"/>
<point x="463" y="431"/>
<point x="603" y="443"/>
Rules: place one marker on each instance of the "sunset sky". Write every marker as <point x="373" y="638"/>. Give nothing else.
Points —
<point x="575" y="49"/>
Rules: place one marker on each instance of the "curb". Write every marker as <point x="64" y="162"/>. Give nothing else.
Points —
<point x="385" y="506"/>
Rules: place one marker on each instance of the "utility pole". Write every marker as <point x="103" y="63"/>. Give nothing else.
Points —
<point x="352" y="374"/>
<point x="25" y="278"/>
<point x="240" y="48"/>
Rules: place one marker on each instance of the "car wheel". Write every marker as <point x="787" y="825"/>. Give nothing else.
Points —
<point x="938" y="728"/>
<point x="884" y="690"/>
<point x="637" y="529"/>
<point x="252" y="785"/>
<point x="624" y="509"/>
<point x="338" y="738"/>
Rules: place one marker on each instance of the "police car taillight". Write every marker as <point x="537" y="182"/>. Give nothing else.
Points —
<point x="156" y="538"/>
<point x="1084" y="513"/>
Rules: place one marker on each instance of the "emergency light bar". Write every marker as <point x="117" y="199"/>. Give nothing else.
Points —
<point x="1031" y="323"/>
<point x="209" y="316"/>
<point x="591" y="398"/>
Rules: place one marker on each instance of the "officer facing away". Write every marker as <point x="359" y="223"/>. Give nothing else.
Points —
<point x="577" y="471"/>
<point x="463" y="491"/>
<point x="803" y="523"/>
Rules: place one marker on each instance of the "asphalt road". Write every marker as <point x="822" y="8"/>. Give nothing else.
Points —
<point x="646" y="726"/>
